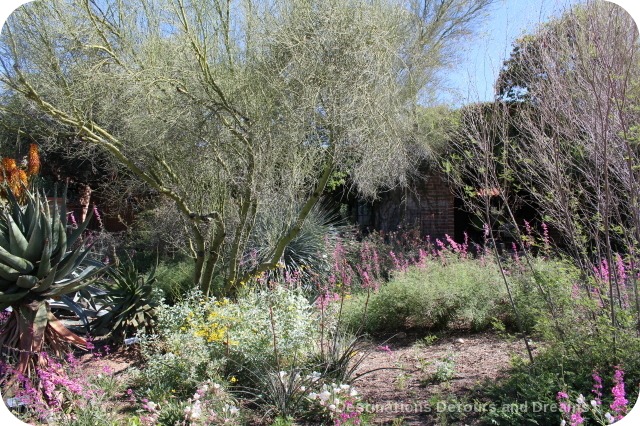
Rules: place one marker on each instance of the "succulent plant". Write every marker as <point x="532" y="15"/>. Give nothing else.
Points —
<point x="39" y="260"/>
<point x="128" y="302"/>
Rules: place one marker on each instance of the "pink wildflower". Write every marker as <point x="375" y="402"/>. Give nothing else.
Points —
<point x="619" y="404"/>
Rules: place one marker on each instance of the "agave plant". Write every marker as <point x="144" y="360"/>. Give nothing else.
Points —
<point x="38" y="261"/>
<point x="128" y="302"/>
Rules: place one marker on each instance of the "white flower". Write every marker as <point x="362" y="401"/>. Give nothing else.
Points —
<point x="196" y="396"/>
<point x="233" y="410"/>
<point x="282" y="374"/>
<point x="303" y="388"/>
<point x="344" y="387"/>
<point x="563" y="423"/>
<point x="609" y="418"/>
<point x="324" y="395"/>
<point x="353" y="392"/>
<point x="313" y="395"/>
<point x="580" y="399"/>
<point x="594" y="403"/>
<point x="332" y="407"/>
<point x="336" y="390"/>
<point x="205" y="388"/>
<point x="314" y="376"/>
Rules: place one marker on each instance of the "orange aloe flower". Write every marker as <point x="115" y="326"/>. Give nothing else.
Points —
<point x="8" y="165"/>
<point x="33" y="160"/>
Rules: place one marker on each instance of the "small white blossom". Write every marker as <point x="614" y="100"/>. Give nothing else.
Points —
<point x="313" y="395"/>
<point x="580" y="399"/>
<point x="324" y="395"/>
<point x="332" y="407"/>
<point x="609" y="418"/>
<point x="196" y="410"/>
<point x="594" y="403"/>
<point x="563" y="423"/>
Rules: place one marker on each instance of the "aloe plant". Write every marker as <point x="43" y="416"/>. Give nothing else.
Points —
<point x="128" y="302"/>
<point x="39" y="260"/>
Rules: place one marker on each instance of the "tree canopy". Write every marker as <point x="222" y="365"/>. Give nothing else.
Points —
<point x="226" y="106"/>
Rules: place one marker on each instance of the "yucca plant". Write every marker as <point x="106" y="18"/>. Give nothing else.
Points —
<point x="39" y="260"/>
<point x="128" y="302"/>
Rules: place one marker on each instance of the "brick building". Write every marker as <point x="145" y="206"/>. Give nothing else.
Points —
<point x="427" y="205"/>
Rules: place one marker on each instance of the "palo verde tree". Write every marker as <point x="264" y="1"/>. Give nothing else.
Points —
<point x="227" y="107"/>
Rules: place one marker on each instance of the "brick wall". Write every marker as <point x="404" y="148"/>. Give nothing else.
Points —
<point x="427" y="205"/>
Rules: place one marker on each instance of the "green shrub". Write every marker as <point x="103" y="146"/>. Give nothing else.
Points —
<point x="536" y="294"/>
<point x="463" y="293"/>
<point x="261" y="319"/>
<point x="175" y="278"/>
<point x="577" y="340"/>
<point x="203" y="338"/>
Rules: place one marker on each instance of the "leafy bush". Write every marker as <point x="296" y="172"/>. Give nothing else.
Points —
<point x="274" y="326"/>
<point x="552" y="286"/>
<point x="203" y="338"/>
<point x="461" y="292"/>
<point x="175" y="278"/>
<point x="579" y="341"/>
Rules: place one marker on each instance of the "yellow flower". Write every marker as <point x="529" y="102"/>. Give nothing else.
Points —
<point x="233" y="379"/>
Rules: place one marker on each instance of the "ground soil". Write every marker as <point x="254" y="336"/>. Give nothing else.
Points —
<point x="397" y="376"/>
<point x="407" y="393"/>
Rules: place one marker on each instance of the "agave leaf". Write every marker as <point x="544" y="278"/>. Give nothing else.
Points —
<point x="17" y="242"/>
<point x="61" y="247"/>
<point x="30" y="214"/>
<point x="16" y="211"/>
<point x="4" y="238"/>
<point x="5" y="285"/>
<point x="36" y="239"/>
<point x="77" y="309"/>
<point x="8" y="273"/>
<point x="46" y="282"/>
<point x="45" y="262"/>
<point x="54" y="220"/>
<point x="67" y="286"/>
<point x="71" y="262"/>
<point x="26" y="281"/>
<point x="15" y="262"/>
<point x="7" y="299"/>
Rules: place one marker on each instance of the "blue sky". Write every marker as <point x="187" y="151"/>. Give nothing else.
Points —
<point x="473" y="78"/>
